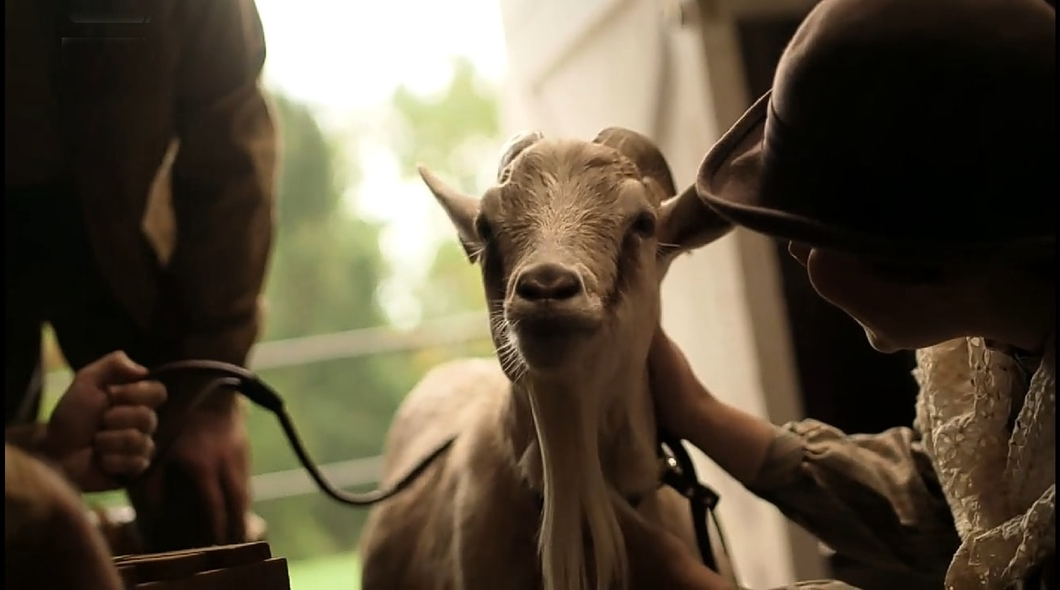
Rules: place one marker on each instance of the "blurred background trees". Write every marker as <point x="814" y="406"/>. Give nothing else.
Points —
<point x="325" y="278"/>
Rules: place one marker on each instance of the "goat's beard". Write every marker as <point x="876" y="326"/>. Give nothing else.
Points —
<point x="576" y="496"/>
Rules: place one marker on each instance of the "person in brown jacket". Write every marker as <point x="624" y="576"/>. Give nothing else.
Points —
<point x="907" y="154"/>
<point x="140" y="163"/>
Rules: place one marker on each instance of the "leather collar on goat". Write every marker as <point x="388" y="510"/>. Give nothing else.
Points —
<point x="676" y="467"/>
<point x="677" y="470"/>
<point x="670" y="474"/>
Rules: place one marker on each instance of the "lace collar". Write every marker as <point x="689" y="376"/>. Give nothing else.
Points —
<point x="998" y="474"/>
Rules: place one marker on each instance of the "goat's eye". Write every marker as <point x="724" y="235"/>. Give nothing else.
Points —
<point x="643" y="225"/>
<point x="483" y="228"/>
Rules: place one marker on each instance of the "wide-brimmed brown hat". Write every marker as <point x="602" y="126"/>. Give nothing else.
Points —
<point x="901" y="126"/>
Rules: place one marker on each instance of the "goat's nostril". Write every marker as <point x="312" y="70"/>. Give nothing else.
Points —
<point x="548" y="281"/>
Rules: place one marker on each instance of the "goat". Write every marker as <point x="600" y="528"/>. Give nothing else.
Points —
<point x="573" y="242"/>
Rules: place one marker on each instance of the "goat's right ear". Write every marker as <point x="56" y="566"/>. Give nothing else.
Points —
<point x="461" y="209"/>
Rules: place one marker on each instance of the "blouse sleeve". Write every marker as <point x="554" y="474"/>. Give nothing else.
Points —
<point x="874" y="499"/>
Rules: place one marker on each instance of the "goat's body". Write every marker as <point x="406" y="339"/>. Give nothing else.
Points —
<point x="434" y="534"/>
<point x="572" y="243"/>
<point x="471" y="521"/>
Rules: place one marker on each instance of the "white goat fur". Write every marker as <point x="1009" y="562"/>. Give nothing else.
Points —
<point x="581" y="434"/>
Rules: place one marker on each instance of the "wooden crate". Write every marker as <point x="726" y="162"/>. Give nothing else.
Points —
<point x="244" y="566"/>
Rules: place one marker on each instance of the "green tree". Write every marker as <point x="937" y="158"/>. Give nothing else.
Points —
<point x="325" y="270"/>
<point x="457" y="134"/>
<point x="324" y="278"/>
<point x="453" y="284"/>
<point x="326" y="263"/>
<point x="453" y="287"/>
<point x="451" y="132"/>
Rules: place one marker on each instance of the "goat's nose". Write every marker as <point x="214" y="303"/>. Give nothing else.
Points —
<point x="546" y="280"/>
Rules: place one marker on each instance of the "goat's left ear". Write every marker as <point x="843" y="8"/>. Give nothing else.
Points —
<point x="461" y="209"/>
<point x="687" y="223"/>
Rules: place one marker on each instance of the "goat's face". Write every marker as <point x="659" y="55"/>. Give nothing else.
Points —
<point x="572" y="242"/>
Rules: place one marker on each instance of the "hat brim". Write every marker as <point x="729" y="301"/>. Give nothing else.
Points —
<point x="730" y="182"/>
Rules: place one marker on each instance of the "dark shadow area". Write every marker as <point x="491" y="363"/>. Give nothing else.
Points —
<point x="844" y="381"/>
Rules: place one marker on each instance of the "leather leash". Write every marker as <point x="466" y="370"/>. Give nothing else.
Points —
<point x="678" y="470"/>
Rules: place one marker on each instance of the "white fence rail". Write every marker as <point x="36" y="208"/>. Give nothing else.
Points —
<point x="350" y="344"/>
<point x="295" y="482"/>
<point x="356" y="343"/>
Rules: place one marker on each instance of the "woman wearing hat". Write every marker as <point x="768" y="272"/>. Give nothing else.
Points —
<point x="907" y="152"/>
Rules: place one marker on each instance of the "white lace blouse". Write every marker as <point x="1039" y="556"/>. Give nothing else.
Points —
<point x="963" y="500"/>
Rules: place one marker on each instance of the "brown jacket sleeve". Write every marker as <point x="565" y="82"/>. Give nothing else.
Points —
<point x="872" y="498"/>
<point x="224" y="182"/>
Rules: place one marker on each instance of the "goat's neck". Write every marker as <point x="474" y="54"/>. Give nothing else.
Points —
<point x="624" y="423"/>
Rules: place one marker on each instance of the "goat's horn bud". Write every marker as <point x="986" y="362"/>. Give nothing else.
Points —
<point x="514" y="146"/>
<point x="643" y="152"/>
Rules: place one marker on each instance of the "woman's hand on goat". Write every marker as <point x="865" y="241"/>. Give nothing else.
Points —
<point x="658" y="559"/>
<point x="737" y="441"/>
<point x="681" y="401"/>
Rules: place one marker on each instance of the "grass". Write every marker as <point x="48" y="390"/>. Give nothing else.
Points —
<point x="332" y="572"/>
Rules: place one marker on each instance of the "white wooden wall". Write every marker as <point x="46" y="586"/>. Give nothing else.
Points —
<point x="577" y="66"/>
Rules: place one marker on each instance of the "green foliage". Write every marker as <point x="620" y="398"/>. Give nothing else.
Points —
<point x="312" y="176"/>
<point x="326" y="262"/>
<point x="452" y="284"/>
<point x="341" y="572"/>
<point x="325" y="271"/>
<point x="452" y="133"/>
<point x="443" y="131"/>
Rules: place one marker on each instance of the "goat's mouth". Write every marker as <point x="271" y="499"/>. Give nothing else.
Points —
<point x="552" y="319"/>
<point x="548" y="336"/>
